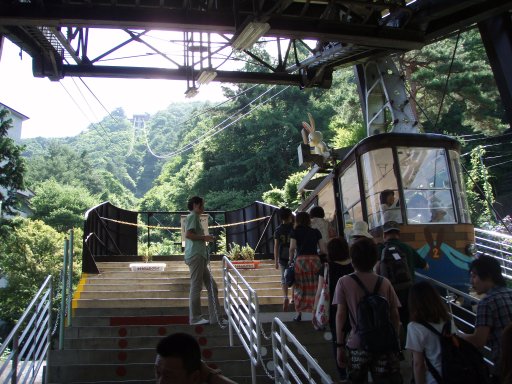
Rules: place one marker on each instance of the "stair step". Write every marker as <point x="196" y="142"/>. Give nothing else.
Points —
<point x="135" y="371"/>
<point x="120" y="285"/>
<point x="156" y="302"/>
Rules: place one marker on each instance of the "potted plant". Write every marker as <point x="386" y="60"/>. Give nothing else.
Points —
<point x="242" y="256"/>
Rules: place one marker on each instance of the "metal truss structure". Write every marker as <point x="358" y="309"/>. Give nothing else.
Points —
<point x="301" y="41"/>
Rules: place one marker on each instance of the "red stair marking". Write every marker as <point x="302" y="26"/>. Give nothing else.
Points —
<point x="199" y="329"/>
<point x="123" y="343"/>
<point x="148" y="320"/>
<point x="122" y="356"/>
<point x="121" y="371"/>
<point x="162" y="331"/>
<point x="202" y="340"/>
<point x="207" y="353"/>
<point x="122" y="332"/>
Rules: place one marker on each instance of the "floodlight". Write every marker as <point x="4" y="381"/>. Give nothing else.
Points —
<point x="249" y="35"/>
<point x="191" y="92"/>
<point x="206" y="76"/>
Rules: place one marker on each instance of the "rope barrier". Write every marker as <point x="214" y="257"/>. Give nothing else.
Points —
<point x="179" y="228"/>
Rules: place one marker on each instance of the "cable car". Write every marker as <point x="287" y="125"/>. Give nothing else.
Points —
<point x="422" y="174"/>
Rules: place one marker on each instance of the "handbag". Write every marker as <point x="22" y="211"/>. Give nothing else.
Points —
<point x="321" y="315"/>
<point x="289" y="274"/>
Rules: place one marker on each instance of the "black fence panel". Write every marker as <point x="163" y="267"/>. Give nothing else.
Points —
<point x="105" y="237"/>
<point x="112" y="234"/>
<point x="259" y="234"/>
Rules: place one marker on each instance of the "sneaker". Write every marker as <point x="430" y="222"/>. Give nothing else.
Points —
<point x="199" y="322"/>
<point x="222" y="322"/>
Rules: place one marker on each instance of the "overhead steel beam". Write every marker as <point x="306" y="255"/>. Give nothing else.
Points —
<point x="177" y="74"/>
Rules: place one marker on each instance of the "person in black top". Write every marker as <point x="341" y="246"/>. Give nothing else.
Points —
<point x="305" y="241"/>
<point x="338" y="264"/>
<point x="282" y="248"/>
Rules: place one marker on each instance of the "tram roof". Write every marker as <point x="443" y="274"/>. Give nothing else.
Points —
<point x="389" y="140"/>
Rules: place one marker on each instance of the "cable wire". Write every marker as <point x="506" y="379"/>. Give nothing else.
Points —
<point x="214" y="131"/>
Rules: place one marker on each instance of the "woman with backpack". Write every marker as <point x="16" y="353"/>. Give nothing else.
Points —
<point x="425" y="306"/>
<point x="338" y="265"/>
<point x="304" y="242"/>
<point x="370" y="303"/>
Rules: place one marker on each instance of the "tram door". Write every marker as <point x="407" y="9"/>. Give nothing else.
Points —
<point x="421" y="188"/>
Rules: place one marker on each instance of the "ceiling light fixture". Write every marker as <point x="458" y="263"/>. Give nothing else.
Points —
<point x="191" y="92"/>
<point x="249" y="35"/>
<point x="206" y="76"/>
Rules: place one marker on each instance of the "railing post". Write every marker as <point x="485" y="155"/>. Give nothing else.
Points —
<point x="63" y="296"/>
<point x="15" y="348"/>
<point x="70" y="281"/>
<point x="252" y="341"/>
<point x="49" y="337"/>
<point x="149" y="233"/>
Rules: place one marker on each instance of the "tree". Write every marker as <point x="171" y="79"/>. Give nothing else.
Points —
<point x="479" y="190"/>
<point x="12" y="165"/>
<point x="61" y="206"/>
<point x="31" y="250"/>
<point x="462" y="90"/>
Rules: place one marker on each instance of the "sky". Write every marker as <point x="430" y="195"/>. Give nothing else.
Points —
<point x="52" y="112"/>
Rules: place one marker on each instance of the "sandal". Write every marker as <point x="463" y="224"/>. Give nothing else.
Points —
<point x="298" y="317"/>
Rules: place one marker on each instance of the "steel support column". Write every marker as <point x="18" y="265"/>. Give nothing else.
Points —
<point x="496" y="35"/>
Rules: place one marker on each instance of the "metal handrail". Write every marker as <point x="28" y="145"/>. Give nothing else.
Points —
<point x="294" y="362"/>
<point x="242" y="307"/>
<point x="30" y="339"/>
<point x="498" y="245"/>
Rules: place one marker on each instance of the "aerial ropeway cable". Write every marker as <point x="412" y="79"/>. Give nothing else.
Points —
<point x="216" y="130"/>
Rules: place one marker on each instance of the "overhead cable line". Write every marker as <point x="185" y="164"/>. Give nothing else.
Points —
<point x="79" y="107"/>
<point x="207" y="134"/>
<point x="146" y="133"/>
<point x="447" y="79"/>
<point x="490" y="138"/>
<point x="495" y="165"/>
<point x="482" y="146"/>
<point x="214" y="131"/>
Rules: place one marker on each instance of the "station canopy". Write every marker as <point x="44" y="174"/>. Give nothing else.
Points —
<point x="292" y="42"/>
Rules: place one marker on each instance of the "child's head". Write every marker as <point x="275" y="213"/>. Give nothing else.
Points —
<point x="425" y="304"/>
<point x="302" y="219"/>
<point x="317" y="212"/>
<point x="387" y="196"/>
<point x="285" y="214"/>
<point x="364" y="255"/>
<point x="337" y="249"/>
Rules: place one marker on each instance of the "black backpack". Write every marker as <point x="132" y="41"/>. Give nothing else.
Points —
<point x="394" y="266"/>
<point x="373" y="324"/>
<point x="461" y="362"/>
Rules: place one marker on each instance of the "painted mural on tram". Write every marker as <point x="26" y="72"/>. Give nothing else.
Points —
<point x="413" y="179"/>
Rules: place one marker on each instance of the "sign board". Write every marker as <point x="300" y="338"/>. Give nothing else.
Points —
<point x="204" y="224"/>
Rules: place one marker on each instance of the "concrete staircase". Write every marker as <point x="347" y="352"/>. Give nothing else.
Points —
<point x="119" y="316"/>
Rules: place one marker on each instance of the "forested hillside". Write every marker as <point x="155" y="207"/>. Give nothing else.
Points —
<point x="234" y="152"/>
<point x="241" y="150"/>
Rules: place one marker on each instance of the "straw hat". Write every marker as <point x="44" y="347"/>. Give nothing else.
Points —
<point x="360" y="228"/>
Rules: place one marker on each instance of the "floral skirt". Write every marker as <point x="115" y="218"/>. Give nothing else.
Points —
<point x="306" y="282"/>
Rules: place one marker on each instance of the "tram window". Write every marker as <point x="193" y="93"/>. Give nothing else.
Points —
<point x="427" y="186"/>
<point x="459" y="188"/>
<point x="380" y="186"/>
<point x="350" y="197"/>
